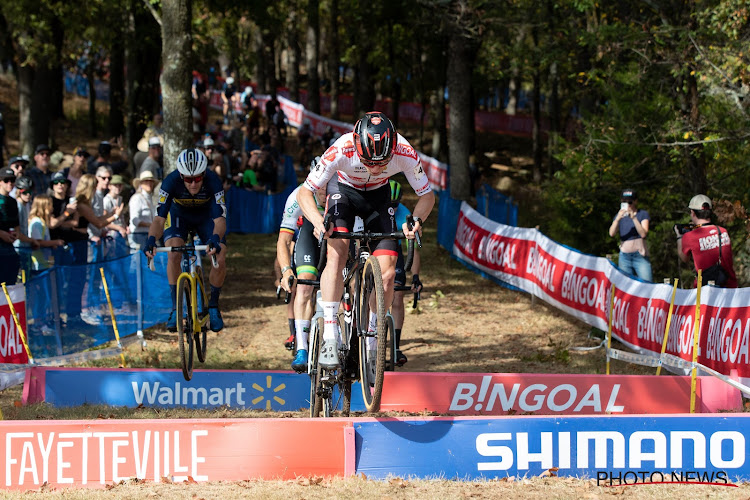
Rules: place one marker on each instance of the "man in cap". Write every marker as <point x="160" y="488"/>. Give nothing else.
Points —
<point x="153" y="162"/>
<point x="703" y="242"/>
<point x="10" y="229"/>
<point x="18" y="164"/>
<point x="40" y="173"/>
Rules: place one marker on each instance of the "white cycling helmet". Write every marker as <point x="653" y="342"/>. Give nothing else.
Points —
<point x="191" y="162"/>
<point x="230" y="80"/>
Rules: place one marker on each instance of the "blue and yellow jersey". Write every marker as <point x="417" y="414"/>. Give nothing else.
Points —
<point x="209" y="199"/>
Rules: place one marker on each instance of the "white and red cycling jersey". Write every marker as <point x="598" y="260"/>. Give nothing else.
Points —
<point x="342" y="160"/>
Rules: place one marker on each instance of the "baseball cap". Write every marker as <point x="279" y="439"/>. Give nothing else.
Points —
<point x="116" y="179"/>
<point x="40" y="148"/>
<point x="154" y="141"/>
<point x="81" y="151"/>
<point x="59" y="176"/>
<point x="18" y="159"/>
<point x="629" y="194"/>
<point x="7" y="173"/>
<point x="700" y="202"/>
<point x="208" y="142"/>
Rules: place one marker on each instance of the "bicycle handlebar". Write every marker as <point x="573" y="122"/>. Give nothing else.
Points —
<point x="184" y="248"/>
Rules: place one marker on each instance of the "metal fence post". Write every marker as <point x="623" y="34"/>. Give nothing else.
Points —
<point x="139" y="297"/>
<point x="56" y="310"/>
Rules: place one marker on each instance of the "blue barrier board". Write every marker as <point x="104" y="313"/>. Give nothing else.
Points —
<point x="274" y="390"/>
<point x="687" y="447"/>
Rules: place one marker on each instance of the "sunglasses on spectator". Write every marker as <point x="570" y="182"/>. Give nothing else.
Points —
<point x="8" y="179"/>
<point x="25" y="192"/>
<point x="43" y="153"/>
<point x="17" y="165"/>
<point x="192" y="180"/>
<point x="105" y="178"/>
<point x="59" y="182"/>
<point x="629" y="202"/>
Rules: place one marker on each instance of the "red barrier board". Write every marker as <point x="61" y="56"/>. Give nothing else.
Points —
<point x="11" y="345"/>
<point x="552" y="394"/>
<point x="97" y="453"/>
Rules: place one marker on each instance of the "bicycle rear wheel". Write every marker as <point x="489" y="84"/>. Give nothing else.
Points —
<point x="316" y="334"/>
<point x="200" y="337"/>
<point x="372" y="363"/>
<point x="184" y="314"/>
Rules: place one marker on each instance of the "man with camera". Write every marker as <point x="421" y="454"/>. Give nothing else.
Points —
<point x="701" y="239"/>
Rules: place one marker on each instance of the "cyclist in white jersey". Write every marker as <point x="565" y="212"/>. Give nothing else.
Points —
<point x="362" y="161"/>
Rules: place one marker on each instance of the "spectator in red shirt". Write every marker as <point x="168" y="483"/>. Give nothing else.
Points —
<point x="702" y="242"/>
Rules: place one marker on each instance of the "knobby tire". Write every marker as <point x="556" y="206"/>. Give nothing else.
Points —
<point x="184" y="319"/>
<point x="372" y="283"/>
<point x="200" y="337"/>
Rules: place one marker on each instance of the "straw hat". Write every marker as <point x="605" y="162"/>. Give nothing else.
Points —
<point x="143" y="143"/>
<point x="146" y="175"/>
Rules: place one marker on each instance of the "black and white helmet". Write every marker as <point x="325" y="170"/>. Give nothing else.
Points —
<point x="191" y="162"/>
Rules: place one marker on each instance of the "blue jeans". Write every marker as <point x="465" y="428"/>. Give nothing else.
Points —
<point x="635" y="264"/>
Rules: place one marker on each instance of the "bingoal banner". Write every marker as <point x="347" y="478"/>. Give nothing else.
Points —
<point x="580" y="285"/>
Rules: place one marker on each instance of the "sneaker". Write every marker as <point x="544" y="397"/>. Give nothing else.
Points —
<point x="217" y="324"/>
<point x="289" y="343"/>
<point x="401" y="358"/>
<point x="299" y="364"/>
<point x="329" y="355"/>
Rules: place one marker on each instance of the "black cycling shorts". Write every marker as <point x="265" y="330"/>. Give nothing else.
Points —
<point x="306" y="251"/>
<point x="375" y="209"/>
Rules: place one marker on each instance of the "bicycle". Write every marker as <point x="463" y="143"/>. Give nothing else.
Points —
<point x="362" y="280"/>
<point x="192" y="315"/>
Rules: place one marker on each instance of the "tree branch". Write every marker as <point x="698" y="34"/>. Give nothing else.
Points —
<point x="150" y="7"/>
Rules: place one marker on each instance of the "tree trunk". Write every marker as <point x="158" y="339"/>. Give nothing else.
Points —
<point x="695" y="155"/>
<point x="25" y="81"/>
<point x="41" y="105"/>
<point x="91" y="80"/>
<point x="56" y="99"/>
<point x="269" y="59"/>
<point x="143" y="55"/>
<point x="365" y="83"/>
<point x="260" y="65"/>
<point x="460" y="57"/>
<point x="293" y="57"/>
<point x="313" y="49"/>
<point x="333" y="58"/>
<point x="175" y="79"/>
<point x="116" y="82"/>
<point x="536" y="131"/>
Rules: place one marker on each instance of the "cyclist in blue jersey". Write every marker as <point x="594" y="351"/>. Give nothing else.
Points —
<point x="397" y="308"/>
<point x="192" y="198"/>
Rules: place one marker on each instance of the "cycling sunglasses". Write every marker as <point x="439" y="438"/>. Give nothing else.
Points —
<point x="192" y="180"/>
<point x="24" y="192"/>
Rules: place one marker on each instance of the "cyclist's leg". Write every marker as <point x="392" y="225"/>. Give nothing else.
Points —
<point x="175" y="234"/>
<point x="397" y="308"/>
<point x="331" y="282"/>
<point x="305" y="260"/>
<point x="205" y="228"/>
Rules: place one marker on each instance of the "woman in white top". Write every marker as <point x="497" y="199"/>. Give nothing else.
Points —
<point x="39" y="216"/>
<point x="141" y="207"/>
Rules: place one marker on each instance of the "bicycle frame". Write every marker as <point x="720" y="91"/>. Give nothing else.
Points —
<point x="190" y="257"/>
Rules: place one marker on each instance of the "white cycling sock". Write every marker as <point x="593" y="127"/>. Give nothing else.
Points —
<point x="330" y="328"/>
<point x="302" y="329"/>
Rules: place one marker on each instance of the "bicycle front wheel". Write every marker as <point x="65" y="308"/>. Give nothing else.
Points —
<point x="184" y="312"/>
<point x="372" y="361"/>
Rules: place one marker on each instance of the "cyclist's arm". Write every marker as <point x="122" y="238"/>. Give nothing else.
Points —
<point x="220" y="226"/>
<point x="416" y="262"/>
<point x="157" y="227"/>
<point x="283" y="255"/>
<point x="306" y="200"/>
<point x="422" y="210"/>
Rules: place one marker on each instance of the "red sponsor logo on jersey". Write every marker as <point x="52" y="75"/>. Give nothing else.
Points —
<point x="348" y="149"/>
<point x="330" y="154"/>
<point x="404" y="150"/>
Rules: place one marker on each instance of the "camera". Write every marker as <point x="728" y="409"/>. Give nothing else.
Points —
<point x="683" y="228"/>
